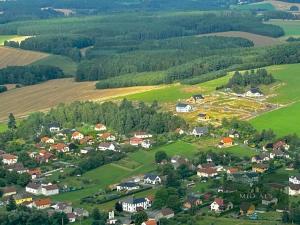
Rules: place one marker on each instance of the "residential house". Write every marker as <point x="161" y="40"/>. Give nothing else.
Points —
<point x="35" y="173"/>
<point x="135" y="141"/>
<point x="17" y="167"/>
<point x="100" y="127"/>
<point x="260" y="168"/>
<point x="232" y="170"/>
<point x="44" y="156"/>
<point x="191" y="201"/>
<point x="86" y="150"/>
<point x="89" y="140"/>
<point x="294" y="179"/>
<point x="77" y="136"/>
<point x="108" y="136"/>
<point x="54" y="127"/>
<point x="196" y="98"/>
<point x="9" y="191"/>
<point x="207" y="172"/>
<point x="152" y="179"/>
<point x="107" y="146"/>
<point x="281" y="145"/>
<point x="150" y="222"/>
<point x="233" y="134"/>
<point x="254" y="93"/>
<point x="202" y="117"/>
<point x="220" y="205"/>
<point x="33" y="188"/>
<point x="60" y="147"/>
<point x="293" y="189"/>
<point x="62" y="207"/>
<point x="226" y="142"/>
<point x="146" y="144"/>
<point x="79" y="212"/>
<point x="132" y="204"/>
<point x="47" y="140"/>
<point x="43" y="203"/>
<point x="182" y="108"/>
<point x="9" y="159"/>
<point x="50" y="189"/>
<point x="142" y="135"/>
<point x="247" y="208"/>
<point x="71" y="217"/>
<point x="200" y="131"/>
<point x="128" y="186"/>
<point x="22" y="197"/>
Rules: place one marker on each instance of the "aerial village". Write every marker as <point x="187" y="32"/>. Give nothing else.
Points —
<point x="229" y="170"/>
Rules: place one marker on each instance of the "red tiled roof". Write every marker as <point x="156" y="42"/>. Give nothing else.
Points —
<point x="42" y="202"/>
<point x="219" y="201"/>
<point x="227" y="140"/>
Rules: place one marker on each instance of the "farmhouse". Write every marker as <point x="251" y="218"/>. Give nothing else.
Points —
<point x="152" y="179"/>
<point x="219" y="205"/>
<point x="207" y="172"/>
<point x="200" y="131"/>
<point x="226" y="142"/>
<point x="128" y="186"/>
<point x="106" y="146"/>
<point x="142" y="135"/>
<point x="43" y="203"/>
<point x="134" y="204"/>
<point x="254" y="93"/>
<point x="77" y="136"/>
<point x="182" y="107"/>
<point x="9" y="159"/>
<point x="100" y="127"/>
<point x="135" y="141"/>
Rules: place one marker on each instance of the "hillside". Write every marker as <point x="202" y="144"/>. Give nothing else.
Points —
<point x="17" y="57"/>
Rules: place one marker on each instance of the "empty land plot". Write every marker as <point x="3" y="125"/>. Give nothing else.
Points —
<point x="258" y="40"/>
<point x="17" y="57"/>
<point x="41" y="97"/>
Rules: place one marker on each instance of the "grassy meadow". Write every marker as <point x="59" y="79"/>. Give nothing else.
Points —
<point x="5" y="38"/>
<point x="255" y="6"/>
<point x="290" y="27"/>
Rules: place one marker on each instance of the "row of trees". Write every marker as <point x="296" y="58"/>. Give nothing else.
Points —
<point x="28" y="75"/>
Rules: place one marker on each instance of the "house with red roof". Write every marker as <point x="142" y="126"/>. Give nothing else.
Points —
<point x="219" y="205"/>
<point x="77" y="136"/>
<point x="207" y="172"/>
<point x="226" y="142"/>
<point x="134" y="141"/>
<point x="9" y="159"/>
<point x="100" y="127"/>
<point x="60" y="147"/>
<point x="43" y="203"/>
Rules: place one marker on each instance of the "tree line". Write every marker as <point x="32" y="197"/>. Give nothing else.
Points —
<point x="28" y="75"/>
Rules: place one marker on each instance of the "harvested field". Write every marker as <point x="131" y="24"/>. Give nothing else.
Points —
<point x="17" y="57"/>
<point x="258" y="40"/>
<point x="41" y="97"/>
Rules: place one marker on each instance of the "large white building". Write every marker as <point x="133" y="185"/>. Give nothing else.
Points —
<point x="182" y="107"/>
<point x="132" y="205"/>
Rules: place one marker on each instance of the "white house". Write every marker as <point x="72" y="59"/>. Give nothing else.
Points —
<point x="142" y="135"/>
<point x="182" y="107"/>
<point x="152" y="179"/>
<point x="106" y="146"/>
<point x="128" y="186"/>
<point x="294" y="189"/>
<point x="295" y="179"/>
<point x="50" y="189"/>
<point x="9" y="159"/>
<point x="132" y="204"/>
<point x="146" y="144"/>
<point x="207" y="172"/>
<point x="254" y="93"/>
<point x="108" y="136"/>
<point x="33" y="188"/>
<point x="100" y="127"/>
<point x="77" y="136"/>
<point x="54" y="127"/>
<point x="219" y="205"/>
<point x="199" y="131"/>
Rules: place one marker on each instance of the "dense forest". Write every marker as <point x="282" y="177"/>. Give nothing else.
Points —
<point x="28" y="75"/>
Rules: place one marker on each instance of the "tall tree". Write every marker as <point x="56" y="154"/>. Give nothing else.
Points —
<point x="11" y="121"/>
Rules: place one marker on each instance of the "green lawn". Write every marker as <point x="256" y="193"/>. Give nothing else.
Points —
<point x="65" y="63"/>
<point x="5" y="38"/>
<point x="3" y="127"/>
<point x="101" y="177"/>
<point x="240" y="151"/>
<point x="290" y="27"/>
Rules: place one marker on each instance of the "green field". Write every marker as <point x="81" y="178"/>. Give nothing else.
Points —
<point x="239" y="151"/>
<point x="97" y="179"/>
<point x="3" y="127"/>
<point x="229" y="221"/>
<point x="65" y="63"/>
<point x="261" y="6"/>
<point x="5" y="38"/>
<point x="178" y="92"/>
<point x="290" y="27"/>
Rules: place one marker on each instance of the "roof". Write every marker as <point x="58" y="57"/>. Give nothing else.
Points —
<point x="100" y="125"/>
<point x="128" y="184"/>
<point x="167" y="211"/>
<point x="132" y="200"/>
<point x="208" y="170"/>
<point x="51" y="187"/>
<point x="233" y="170"/>
<point x="105" y="144"/>
<point x="42" y="202"/>
<point x="76" y="133"/>
<point x="106" y="135"/>
<point x="295" y="187"/>
<point x="150" y="176"/>
<point x="202" y="130"/>
<point x="8" y="156"/>
<point x="227" y="140"/>
<point x="9" y="190"/>
<point x="33" y="185"/>
<point x="71" y="215"/>
<point x="219" y="201"/>
<point x="198" y="96"/>
<point x="255" y="90"/>
<point x="181" y="105"/>
<point x="150" y="222"/>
